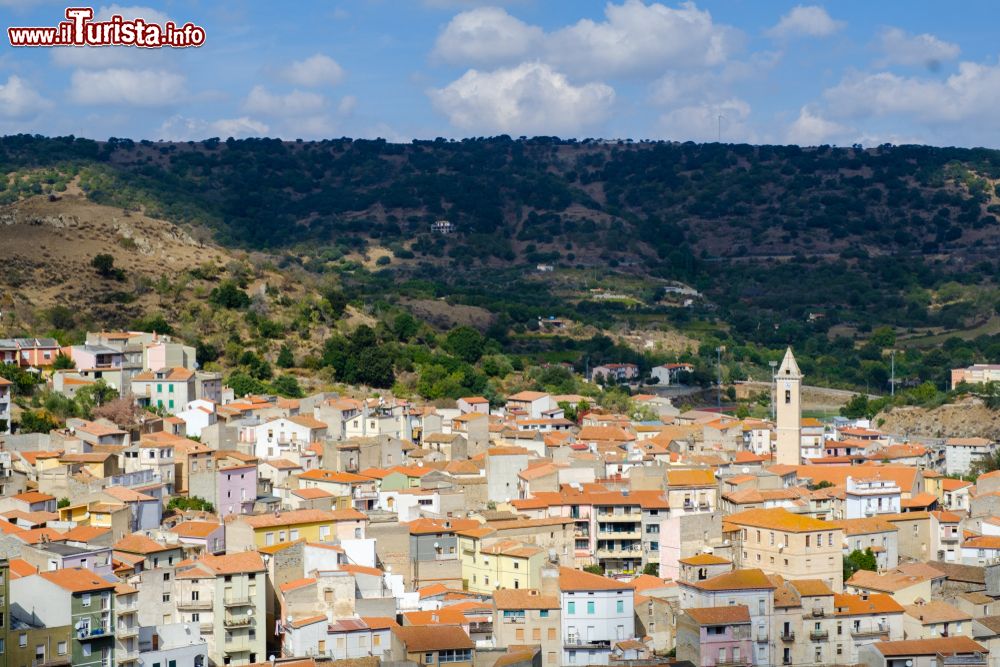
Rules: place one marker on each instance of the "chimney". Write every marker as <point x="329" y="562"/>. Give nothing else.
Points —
<point x="549" y="580"/>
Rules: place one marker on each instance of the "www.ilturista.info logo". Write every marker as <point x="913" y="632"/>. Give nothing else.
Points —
<point x="81" y="30"/>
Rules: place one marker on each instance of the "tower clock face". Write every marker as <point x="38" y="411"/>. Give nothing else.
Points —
<point x="788" y="385"/>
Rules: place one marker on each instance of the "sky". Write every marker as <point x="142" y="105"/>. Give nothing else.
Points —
<point x="757" y="71"/>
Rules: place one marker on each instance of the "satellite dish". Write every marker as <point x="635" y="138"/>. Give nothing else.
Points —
<point x="288" y="619"/>
<point x="745" y="470"/>
<point x="250" y="611"/>
<point x="388" y="568"/>
<point x="437" y="545"/>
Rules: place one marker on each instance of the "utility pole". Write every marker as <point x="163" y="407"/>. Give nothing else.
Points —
<point x="892" y="381"/>
<point x="718" y="363"/>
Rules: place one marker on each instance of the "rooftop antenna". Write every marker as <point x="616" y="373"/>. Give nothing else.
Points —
<point x="720" y="128"/>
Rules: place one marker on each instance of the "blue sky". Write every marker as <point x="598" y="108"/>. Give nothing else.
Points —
<point x="775" y="72"/>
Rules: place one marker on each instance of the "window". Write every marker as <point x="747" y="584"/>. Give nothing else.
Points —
<point x="517" y="565"/>
<point x="788" y="396"/>
<point x="544" y="613"/>
<point x="571" y="607"/>
<point x="159" y="388"/>
<point x="22" y="640"/>
<point x="195" y="618"/>
<point x="620" y="607"/>
<point x="166" y="597"/>
<point x="171" y="663"/>
<point x="166" y="576"/>
<point x="85" y="599"/>
<point x="376" y="640"/>
<point x="807" y="541"/>
<point x="591" y="607"/>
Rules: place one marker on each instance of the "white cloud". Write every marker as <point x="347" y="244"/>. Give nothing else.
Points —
<point x="811" y="129"/>
<point x="295" y="103"/>
<point x="633" y="38"/>
<point x="182" y="128"/>
<point x="531" y="98"/>
<point x="701" y="122"/>
<point x="636" y="37"/>
<point x="806" y="20"/>
<point x="971" y="93"/>
<point x="126" y="86"/>
<point x="347" y="105"/>
<point x="486" y="36"/>
<point x="18" y="99"/>
<point x="105" y="57"/>
<point x="902" y="48"/>
<point x="316" y="70"/>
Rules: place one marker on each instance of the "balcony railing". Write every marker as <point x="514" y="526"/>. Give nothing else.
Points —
<point x="967" y="659"/>
<point x="238" y="621"/>
<point x="762" y="635"/>
<point x="480" y="628"/>
<point x="949" y="538"/>
<point x="194" y="604"/>
<point x="206" y="628"/>
<point x="787" y="636"/>
<point x="237" y="601"/>
<point x="92" y="633"/>
<point x="818" y="612"/>
<point x="125" y="631"/>
<point x="819" y="635"/>
<point x="574" y="642"/>
<point x="870" y="631"/>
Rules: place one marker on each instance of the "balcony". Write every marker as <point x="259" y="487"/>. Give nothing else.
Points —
<point x="206" y="628"/>
<point x="622" y="552"/>
<point x="92" y="634"/>
<point x="238" y="621"/>
<point x="581" y="533"/>
<point x="818" y="612"/>
<point x="762" y="635"/>
<point x="819" y="635"/>
<point x="237" y="601"/>
<point x="619" y="535"/>
<point x="949" y="538"/>
<point x="787" y="636"/>
<point x="194" y="604"/>
<point x="481" y="628"/>
<point x="580" y="642"/>
<point x="967" y="659"/>
<point x="871" y="631"/>
<point x="635" y="517"/>
<point x="126" y="631"/>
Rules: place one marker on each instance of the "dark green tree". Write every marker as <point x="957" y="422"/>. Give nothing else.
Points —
<point x="229" y="295"/>
<point x="105" y="265"/>
<point x="859" y="560"/>
<point x="285" y="357"/>
<point x="465" y="343"/>
<point x="62" y="362"/>
<point x="287" y="385"/>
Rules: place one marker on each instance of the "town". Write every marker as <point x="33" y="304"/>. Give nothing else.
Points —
<point x="193" y="526"/>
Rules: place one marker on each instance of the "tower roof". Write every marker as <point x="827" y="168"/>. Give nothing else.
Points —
<point x="788" y="366"/>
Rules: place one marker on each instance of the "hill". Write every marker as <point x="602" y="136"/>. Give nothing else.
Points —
<point x="665" y="247"/>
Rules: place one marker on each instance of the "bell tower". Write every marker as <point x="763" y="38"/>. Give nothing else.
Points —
<point x="788" y="390"/>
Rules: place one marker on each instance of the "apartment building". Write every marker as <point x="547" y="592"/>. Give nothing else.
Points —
<point x="226" y="596"/>
<point x="528" y="617"/>
<point x="750" y="588"/>
<point x="73" y="597"/>
<point x="792" y="545"/>
<point x="596" y="612"/>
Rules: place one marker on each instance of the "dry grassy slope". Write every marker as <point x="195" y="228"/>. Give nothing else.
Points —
<point x="968" y="418"/>
<point x="47" y="247"/>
